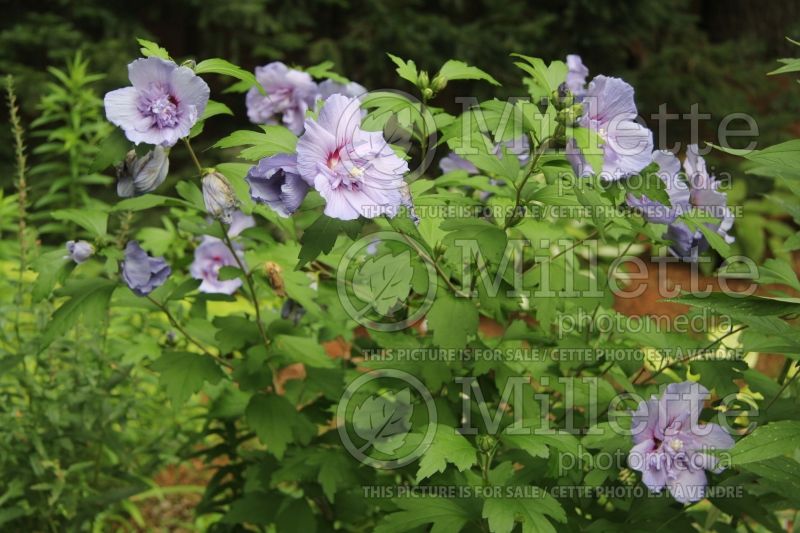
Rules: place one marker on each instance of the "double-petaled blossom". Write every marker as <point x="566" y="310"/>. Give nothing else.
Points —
<point x="355" y="171"/>
<point x="79" y="251"/>
<point x="218" y="196"/>
<point x="576" y="76"/>
<point x="698" y="191"/>
<point x="677" y="189"/>
<point x="212" y="254"/>
<point x="330" y="87"/>
<point x="609" y="111"/>
<point x="275" y="181"/>
<point x="141" y="175"/>
<point x="671" y="448"/>
<point x="289" y="93"/>
<point x="162" y="105"/>
<point x="143" y="273"/>
<point x="708" y="201"/>
<point x="209" y="258"/>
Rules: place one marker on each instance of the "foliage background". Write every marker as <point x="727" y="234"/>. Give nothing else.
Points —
<point x="676" y="52"/>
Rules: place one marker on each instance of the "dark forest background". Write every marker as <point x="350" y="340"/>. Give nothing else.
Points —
<point x="679" y="52"/>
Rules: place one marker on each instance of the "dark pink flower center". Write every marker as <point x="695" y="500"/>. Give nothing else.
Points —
<point x="160" y="105"/>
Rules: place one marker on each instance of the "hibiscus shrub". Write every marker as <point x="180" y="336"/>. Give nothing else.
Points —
<point x="394" y="314"/>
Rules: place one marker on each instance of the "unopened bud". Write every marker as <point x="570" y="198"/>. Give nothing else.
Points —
<point x="439" y="83"/>
<point x="486" y="443"/>
<point x="218" y="195"/>
<point x="79" y="251"/>
<point x="140" y="175"/>
<point x="423" y="80"/>
<point x="570" y="115"/>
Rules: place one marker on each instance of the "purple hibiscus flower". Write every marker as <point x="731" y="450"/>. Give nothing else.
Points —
<point x="209" y="258"/>
<point x="704" y="196"/>
<point x="576" y="75"/>
<point x="669" y="168"/>
<point x="355" y="171"/>
<point x="671" y="447"/>
<point x="143" y="273"/>
<point x="610" y="111"/>
<point x="351" y="89"/>
<point x="163" y="104"/>
<point x="290" y="93"/>
<point x="275" y="181"/>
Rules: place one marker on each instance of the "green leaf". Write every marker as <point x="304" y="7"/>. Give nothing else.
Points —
<point x="147" y="201"/>
<point x="226" y="68"/>
<point x="304" y="350"/>
<point x="384" y="420"/>
<point x="89" y="298"/>
<point x="458" y="70"/>
<point x="151" y="49"/>
<point x="721" y="303"/>
<point x="448" y="446"/>
<point x="275" y="421"/>
<point x="93" y="221"/>
<point x="184" y="373"/>
<point x="335" y="472"/>
<point x="321" y="235"/>
<point x="778" y="271"/>
<point x="490" y="239"/>
<point x="781" y="159"/>
<point x="502" y="513"/>
<point x="406" y="69"/>
<point x="111" y="150"/>
<point x="323" y="71"/>
<point x="547" y="77"/>
<point x="772" y="440"/>
<point x="274" y="140"/>
<point x="647" y="183"/>
<point x="452" y="320"/>
<point x="790" y="65"/>
<point x="700" y="222"/>
<point x="445" y="515"/>
<point x="52" y="267"/>
<point x="384" y="281"/>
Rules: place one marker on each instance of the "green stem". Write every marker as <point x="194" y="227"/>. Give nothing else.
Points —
<point x="248" y="276"/>
<point x="185" y="333"/>
<point x="194" y="156"/>
<point x="540" y="150"/>
<point x="783" y="388"/>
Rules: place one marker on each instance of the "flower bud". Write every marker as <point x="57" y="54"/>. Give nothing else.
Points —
<point x="427" y="93"/>
<point x="570" y="115"/>
<point x="79" y="251"/>
<point x="486" y="443"/>
<point x="140" y="175"/>
<point x="439" y="83"/>
<point x="219" y="197"/>
<point x="423" y="81"/>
